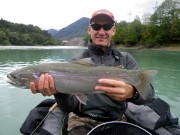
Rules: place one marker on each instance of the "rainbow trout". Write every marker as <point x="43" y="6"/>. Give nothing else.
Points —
<point x="80" y="77"/>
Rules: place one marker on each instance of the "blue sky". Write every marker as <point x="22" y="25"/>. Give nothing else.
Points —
<point x="57" y="14"/>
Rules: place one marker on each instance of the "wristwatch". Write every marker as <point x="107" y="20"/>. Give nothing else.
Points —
<point x="136" y="95"/>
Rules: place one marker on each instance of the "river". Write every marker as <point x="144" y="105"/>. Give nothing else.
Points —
<point x="15" y="103"/>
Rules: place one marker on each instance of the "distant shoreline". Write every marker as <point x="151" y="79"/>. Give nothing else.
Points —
<point x="170" y="48"/>
<point x="11" y="47"/>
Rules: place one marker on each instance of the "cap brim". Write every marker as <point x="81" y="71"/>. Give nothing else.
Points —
<point x="102" y="17"/>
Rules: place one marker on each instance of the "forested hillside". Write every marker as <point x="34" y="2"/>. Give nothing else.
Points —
<point x="160" y="28"/>
<point x="20" y="34"/>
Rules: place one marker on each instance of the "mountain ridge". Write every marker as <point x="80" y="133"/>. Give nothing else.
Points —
<point x="75" y="29"/>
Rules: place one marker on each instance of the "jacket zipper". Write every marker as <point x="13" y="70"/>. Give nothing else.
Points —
<point x="102" y="60"/>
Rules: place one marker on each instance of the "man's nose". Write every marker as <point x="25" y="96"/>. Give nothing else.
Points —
<point x="101" y="31"/>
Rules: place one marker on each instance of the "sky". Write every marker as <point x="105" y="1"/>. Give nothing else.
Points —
<point x="58" y="14"/>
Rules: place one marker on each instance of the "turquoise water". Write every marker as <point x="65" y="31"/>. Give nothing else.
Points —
<point x="15" y="103"/>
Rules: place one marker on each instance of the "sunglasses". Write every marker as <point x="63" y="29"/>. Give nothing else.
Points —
<point x="106" y="27"/>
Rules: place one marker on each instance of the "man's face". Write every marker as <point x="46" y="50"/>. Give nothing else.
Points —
<point x="101" y="37"/>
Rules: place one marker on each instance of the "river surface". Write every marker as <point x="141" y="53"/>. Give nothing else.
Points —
<point x="15" y="103"/>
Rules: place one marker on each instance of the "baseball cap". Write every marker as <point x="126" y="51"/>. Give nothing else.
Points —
<point x="102" y="14"/>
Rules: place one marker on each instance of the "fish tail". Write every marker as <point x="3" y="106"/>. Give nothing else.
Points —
<point x="145" y="81"/>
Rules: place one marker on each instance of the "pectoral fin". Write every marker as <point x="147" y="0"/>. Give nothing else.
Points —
<point x="81" y="98"/>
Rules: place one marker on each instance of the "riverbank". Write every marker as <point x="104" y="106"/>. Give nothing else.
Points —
<point x="167" y="48"/>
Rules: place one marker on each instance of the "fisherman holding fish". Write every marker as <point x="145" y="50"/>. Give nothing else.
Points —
<point x="110" y="101"/>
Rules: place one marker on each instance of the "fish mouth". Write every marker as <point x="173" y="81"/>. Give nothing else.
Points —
<point x="12" y="81"/>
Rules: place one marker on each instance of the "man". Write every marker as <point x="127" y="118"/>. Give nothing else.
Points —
<point x="100" y="107"/>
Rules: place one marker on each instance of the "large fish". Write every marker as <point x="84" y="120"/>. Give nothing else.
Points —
<point x="80" y="77"/>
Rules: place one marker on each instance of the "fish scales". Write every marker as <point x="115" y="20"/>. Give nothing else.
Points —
<point x="77" y="78"/>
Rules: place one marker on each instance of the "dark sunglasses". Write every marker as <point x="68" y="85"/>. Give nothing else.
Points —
<point x="97" y="27"/>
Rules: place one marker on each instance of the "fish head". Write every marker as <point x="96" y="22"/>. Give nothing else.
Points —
<point x="22" y="77"/>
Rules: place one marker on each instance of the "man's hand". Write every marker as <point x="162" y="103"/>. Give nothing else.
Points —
<point x="45" y="85"/>
<point x="116" y="89"/>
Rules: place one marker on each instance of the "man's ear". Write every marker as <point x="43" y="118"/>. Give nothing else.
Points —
<point x="113" y="31"/>
<point x="89" y="30"/>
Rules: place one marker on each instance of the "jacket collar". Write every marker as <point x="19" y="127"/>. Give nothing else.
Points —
<point x="97" y="50"/>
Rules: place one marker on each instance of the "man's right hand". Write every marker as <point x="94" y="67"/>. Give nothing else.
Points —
<point x="45" y="85"/>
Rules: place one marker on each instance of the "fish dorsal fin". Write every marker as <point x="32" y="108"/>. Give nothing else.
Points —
<point x="85" y="62"/>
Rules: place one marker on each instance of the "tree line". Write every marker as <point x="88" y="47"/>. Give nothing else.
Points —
<point x="20" y="34"/>
<point x="153" y="30"/>
<point x="159" y="29"/>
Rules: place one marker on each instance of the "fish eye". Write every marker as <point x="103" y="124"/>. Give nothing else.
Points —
<point x="14" y="77"/>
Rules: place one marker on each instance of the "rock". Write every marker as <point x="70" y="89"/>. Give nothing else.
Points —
<point x="77" y="41"/>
